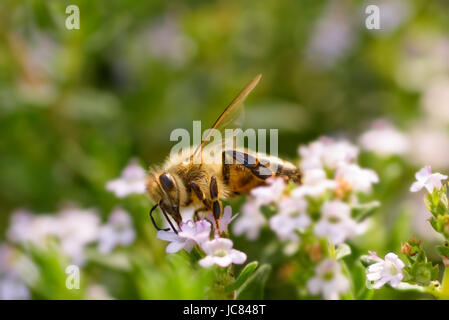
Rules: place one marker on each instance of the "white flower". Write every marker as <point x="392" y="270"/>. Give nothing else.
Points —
<point x="327" y="153"/>
<point x="220" y="252"/>
<point x="315" y="183"/>
<point x="384" y="139"/>
<point x="6" y="257"/>
<point x="338" y="153"/>
<point x="358" y="178"/>
<point x="328" y="281"/>
<point x="190" y="233"/>
<point x="426" y="179"/>
<point x="176" y="242"/>
<point x="332" y="37"/>
<point x="117" y="231"/>
<point x="74" y="228"/>
<point x="311" y="155"/>
<point x="17" y="266"/>
<point x="394" y="14"/>
<point x="132" y="180"/>
<point x="11" y="288"/>
<point x="250" y="221"/>
<point x="270" y="193"/>
<point x="27" y="227"/>
<point x="12" y="285"/>
<point x="77" y="228"/>
<point x="165" y="40"/>
<point x="98" y="292"/>
<point x="292" y="217"/>
<point x="384" y="271"/>
<point x="225" y="220"/>
<point x="197" y="231"/>
<point x="336" y="222"/>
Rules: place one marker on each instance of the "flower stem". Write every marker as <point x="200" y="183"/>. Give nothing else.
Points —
<point x="223" y="277"/>
<point x="444" y="292"/>
<point x="331" y="249"/>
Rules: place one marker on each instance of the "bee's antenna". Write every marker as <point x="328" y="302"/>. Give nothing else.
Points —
<point x="171" y="224"/>
<point x="154" y="222"/>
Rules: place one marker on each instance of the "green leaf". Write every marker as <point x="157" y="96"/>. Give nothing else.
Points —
<point x="423" y="273"/>
<point x="437" y="202"/>
<point x="243" y="276"/>
<point x="253" y="288"/>
<point x="444" y="249"/>
<point x="342" y="251"/>
<point x="362" y="211"/>
<point x="359" y="287"/>
<point x="118" y="261"/>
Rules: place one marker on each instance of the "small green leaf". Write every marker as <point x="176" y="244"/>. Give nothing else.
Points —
<point x="423" y="273"/>
<point x="362" y="211"/>
<point x="437" y="202"/>
<point x="118" y="261"/>
<point x="253" y="288"/>
<point x="444" y="249"/>
<point x="243" y="276"/>
<point x="342" y="251"/>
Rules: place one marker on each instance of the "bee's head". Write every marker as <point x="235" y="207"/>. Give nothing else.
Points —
<point x="163" y="189"/>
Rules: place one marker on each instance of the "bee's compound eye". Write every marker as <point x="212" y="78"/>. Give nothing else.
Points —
<point x="167" y="181"/>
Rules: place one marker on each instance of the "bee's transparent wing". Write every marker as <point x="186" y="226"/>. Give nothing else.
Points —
<point x="232" y="115"/>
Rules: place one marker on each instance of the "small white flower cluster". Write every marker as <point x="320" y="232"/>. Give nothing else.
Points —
<point x="74" y="228"/>
<point x="426" y="179"/>
<point x="218" y="250"/>
<point x="390" y="269"/>
<point x="328" y="281"/>
<point x="329" y="168"/>
<point x="12" y="287"/>
<point x="118" y="231"/>
<point x="131" y="181"/>
<point x="383" y="271"/>
<point x="321" y="206"/>
<point x="384" y="139"/>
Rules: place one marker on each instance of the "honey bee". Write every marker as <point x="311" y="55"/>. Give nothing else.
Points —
<point x="182" y="182"/>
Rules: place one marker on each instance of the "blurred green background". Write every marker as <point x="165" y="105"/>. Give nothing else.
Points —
<point x="76" y="105"/>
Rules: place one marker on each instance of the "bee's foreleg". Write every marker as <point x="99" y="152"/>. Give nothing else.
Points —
<point x="216" y="204"/>
<point x="200" y="195"/>
<point x="168" y="220"/>
<point x="154" y="222"/>
<point x="257" y="168"/>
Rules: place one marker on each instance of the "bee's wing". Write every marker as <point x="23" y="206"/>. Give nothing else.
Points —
<point x="230" y="114"/>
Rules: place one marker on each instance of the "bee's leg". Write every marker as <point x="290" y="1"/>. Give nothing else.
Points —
<point x="154" y="222"/>
<point x="225" y="166"/>
<point x="200" y="195"/>
<point x="196" y="216"/>
<point x="257" y="168"/>
<point x="216" y="204"/>
<point x="169" y="221"/>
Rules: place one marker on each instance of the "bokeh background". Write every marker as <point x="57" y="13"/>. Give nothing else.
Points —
<point x="77" y="105"/>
